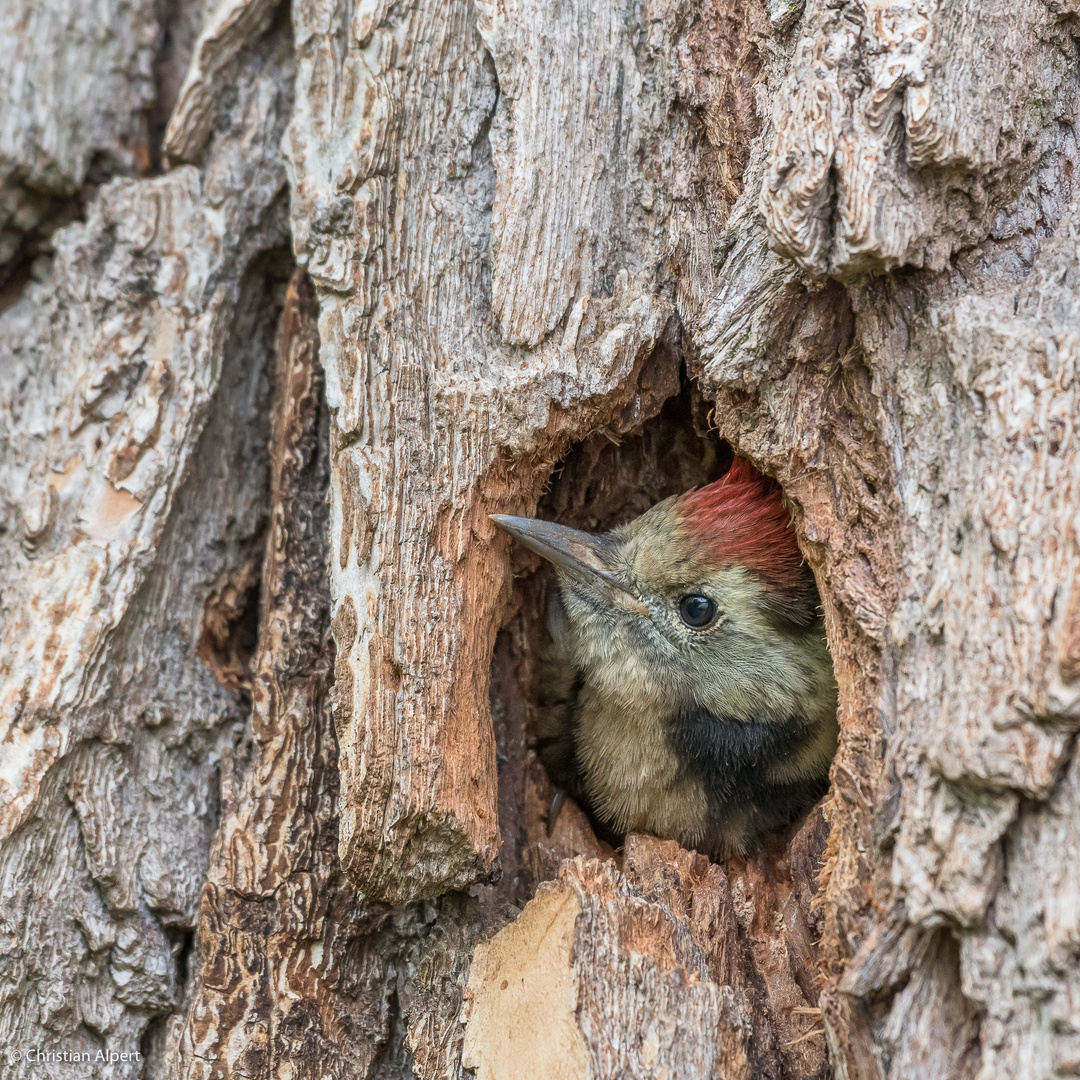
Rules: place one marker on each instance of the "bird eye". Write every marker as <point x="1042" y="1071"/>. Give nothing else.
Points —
<point x="697" y="611"/>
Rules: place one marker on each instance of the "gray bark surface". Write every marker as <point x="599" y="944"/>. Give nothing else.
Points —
<point x="291" y="299"/>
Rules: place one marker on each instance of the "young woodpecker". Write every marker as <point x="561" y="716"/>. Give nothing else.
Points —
<point x="688" y="690"/>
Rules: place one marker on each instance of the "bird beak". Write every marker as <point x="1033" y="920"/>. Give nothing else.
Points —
<point x="579" y="554"/>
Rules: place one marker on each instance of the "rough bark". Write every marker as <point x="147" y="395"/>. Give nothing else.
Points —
<point x="133" y="476"/>
<point x="273" y="878"/>
<point x="557" y="257"/>
<point x="932" y="466"/>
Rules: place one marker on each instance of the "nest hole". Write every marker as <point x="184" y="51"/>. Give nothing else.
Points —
<point x="600" y="483"/>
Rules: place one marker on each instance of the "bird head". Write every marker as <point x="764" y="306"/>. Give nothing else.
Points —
<point x="704" y="600"/>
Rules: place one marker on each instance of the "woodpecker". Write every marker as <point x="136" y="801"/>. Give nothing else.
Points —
<point x="687" y="690"/>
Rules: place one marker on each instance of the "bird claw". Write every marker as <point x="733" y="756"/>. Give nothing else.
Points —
<point x="557" y="802"/>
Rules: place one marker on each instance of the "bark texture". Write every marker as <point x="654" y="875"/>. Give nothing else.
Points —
<point x="134" y="473"/>
<point x="559" y="258"/>
<point x="275" y="918"/>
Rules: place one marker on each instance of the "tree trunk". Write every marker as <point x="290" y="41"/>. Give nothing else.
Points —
<point x="291" y="300"/>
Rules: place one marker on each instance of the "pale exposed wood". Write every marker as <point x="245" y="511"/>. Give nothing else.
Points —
<point x="522" y="995"/>
<point x="648" y="972"/>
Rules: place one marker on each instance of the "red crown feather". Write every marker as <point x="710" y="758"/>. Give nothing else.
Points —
<point x="743" y="519"/>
